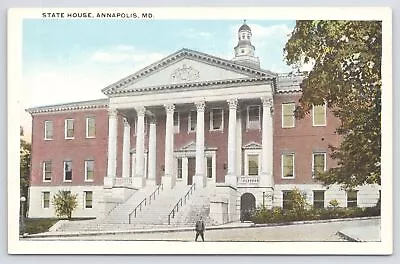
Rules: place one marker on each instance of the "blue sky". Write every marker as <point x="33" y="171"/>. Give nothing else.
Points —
<point x="72" y="60"/>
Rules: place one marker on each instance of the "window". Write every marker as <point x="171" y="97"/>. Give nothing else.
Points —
<point x="216" y="119"/>
<point x="89" y="170"/>
<point x="253" y="117"/>
<point x="209" y="168"/>
<point x="179" y="176"/>
<point x="176" y="122"/>
<point x="287" y="200"/>
<point x="288" y="115"/>
<point x="88" y="199"/>
<point x="192" y="121"/>
<point x="319" y="115"/>
<point x="352" y="199"/>
<point x="69" y="128"/>
<point x="252" y="160"/>
<point x="67" y="170"/>
<point x="318" y="163"/>
<point x="46" y="199"/>
<point x="319" y="199"/>
<point x="90" y="127"/>
<point x="287" y="165"/>
<point x="46" y="171"/>
<point x="48" y="130"/>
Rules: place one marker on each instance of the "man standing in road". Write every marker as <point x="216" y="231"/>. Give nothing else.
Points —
<point x="200" y="227"/>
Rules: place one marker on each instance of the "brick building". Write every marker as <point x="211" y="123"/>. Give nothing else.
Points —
<point x="189" y="119"/>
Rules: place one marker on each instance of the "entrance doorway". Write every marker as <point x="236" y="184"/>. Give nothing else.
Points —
<point x="247" y="206"/>
<point x="191" y="170"/>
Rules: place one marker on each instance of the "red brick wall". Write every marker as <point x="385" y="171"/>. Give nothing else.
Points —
<point x="303" y="140"/>
<point x="76" y="150"/>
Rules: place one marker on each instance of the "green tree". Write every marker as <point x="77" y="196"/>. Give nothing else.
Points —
<point x="347" y="76"/>
<point x="65" y="203"/>
<point x="24" y="166"/>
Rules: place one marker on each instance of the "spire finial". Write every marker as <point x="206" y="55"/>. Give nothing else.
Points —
<point x="244" y="21"/>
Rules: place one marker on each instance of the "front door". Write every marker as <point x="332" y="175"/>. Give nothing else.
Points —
<point x="191" y="170"/>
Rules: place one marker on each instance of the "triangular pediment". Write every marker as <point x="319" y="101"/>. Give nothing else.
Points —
<point x="185" y="67"/>
<point x="252" y="145"/>
<point x="191" y="147"/>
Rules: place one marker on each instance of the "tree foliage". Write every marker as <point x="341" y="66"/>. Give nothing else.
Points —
<point x="65" y="203"/>
<point x="25" y="166"/>
<point x="347" y="76"/>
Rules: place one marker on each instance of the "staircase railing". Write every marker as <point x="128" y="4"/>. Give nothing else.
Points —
<point x="144" y="202"/>
<point x="180" y="202"/>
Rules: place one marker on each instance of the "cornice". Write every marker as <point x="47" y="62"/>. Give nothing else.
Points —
<point x="84" y="105"/>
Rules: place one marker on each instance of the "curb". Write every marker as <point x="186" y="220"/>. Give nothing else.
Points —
<point x="182" y="229"/>
<point x="347" y="237"/>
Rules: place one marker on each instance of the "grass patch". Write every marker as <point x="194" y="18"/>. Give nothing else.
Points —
<point x="40" y="225"/>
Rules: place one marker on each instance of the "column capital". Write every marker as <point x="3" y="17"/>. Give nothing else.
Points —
<point x="267" y="101"/>
<point x="126" y="122"/>
<point x="200" y="105"/>
<point x="169" y="108"/>
<point x="233" y="103"/>
<point x="140" y="110"/>
<point x="112" y="112"/>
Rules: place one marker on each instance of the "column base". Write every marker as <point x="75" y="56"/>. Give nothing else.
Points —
<point x="168" y="181"/>
<point x="138" y="182"/>
<point x="200" y="181"/>
<point x="231" y="180"/>
<point x="266" y="180"/>
<point x="151" y="182"/>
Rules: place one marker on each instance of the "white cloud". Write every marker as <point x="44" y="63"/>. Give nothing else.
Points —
<point x="191" y="33"/>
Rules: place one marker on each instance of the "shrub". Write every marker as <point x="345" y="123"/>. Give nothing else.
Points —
<point x="333" y="203"/>
<point x="65" y="203"/>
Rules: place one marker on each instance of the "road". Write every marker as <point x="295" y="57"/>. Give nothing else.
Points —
<point x="304" y="232"/>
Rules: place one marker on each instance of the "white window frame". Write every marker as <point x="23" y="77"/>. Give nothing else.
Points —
<point x="87" y="127"/>
<point x="44" y="170"/>
<point x="253" y="124"/>
<point x="212" y="120"/>
<point x="65" y="161"/>
<point x="86" y="171"/>
<point x="248" y="152"/>
<point x="43" y="200"/>
<point x="45" y="129"/>
<point x="85" y="201"/>
<point x="312" y="161"/>
<point x="347" y="198"/>
<point x="293" y="121"/>
<point x="293" y="165"/>
<point x="66" y="130"/>
<point x="190" y="121"/>
<point x="313" y="114"/>
<point x="313" y="201"/>
<point x="177" y="128"/>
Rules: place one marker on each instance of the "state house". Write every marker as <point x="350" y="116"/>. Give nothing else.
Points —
<point x="189" y="135"/>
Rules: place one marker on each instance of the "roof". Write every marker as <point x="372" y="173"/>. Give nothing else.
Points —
<point x="82" y="105"/>
<point x="244" y="27"/>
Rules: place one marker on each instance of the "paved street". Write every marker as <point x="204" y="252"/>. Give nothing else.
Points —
<point x="302" y="232"/>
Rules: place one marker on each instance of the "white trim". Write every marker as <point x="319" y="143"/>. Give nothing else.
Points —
<point x="253" y="124"/>
<point x="313" y="197"/>
<point x="190" y="120"/>
<point x="85" y="201"/>
<point x="324" y="117"/>
<point x="248" y="152"/>
<point x="212" y="120"/>
<point x="44" y="171"/>
<point x="45" y="129"/>
<point x="86" y="179"/>
<point x="65" y="128"/>
<point x="293" y="119"/>
<point x="65" y="161"/>
<point x="312" y="161"/>
<point x="177" y="128"/>
<point x="43" y="192"/>
<point x="293" y="165"/>
<point x="87" y="126"/>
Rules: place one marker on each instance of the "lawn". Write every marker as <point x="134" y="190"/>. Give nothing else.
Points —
<point x="38" y="225"/>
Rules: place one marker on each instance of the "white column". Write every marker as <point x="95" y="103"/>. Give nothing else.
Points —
<point x="139" y="180"/>
<point x="267" y="144"/>
<point x="152" y="161"/>
<point x="126" y="148"/>
<point x="168" y="178"/>
<point x="231" y="177"/>
<point x="109" y="180"/>
<point x="200" y="177"/>
<point x="185" y="170"/>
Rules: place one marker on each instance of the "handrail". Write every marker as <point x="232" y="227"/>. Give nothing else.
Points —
<point x="184" y="198"/>
<point x="145" y="202"/>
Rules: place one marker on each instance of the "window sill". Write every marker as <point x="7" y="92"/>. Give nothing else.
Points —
<point x="67" y="181"/>
<point x="47" y="181"/>
<point x="48" y="139"/>
<point x="287" y="178"/>
<point x="90" y="137"/>
<point x="68" y="138"/>
<point x="89" y="181"/>
<point x="319" y="125"/>
<point x="286" y="127"/>
<point x="216" y="130"/>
